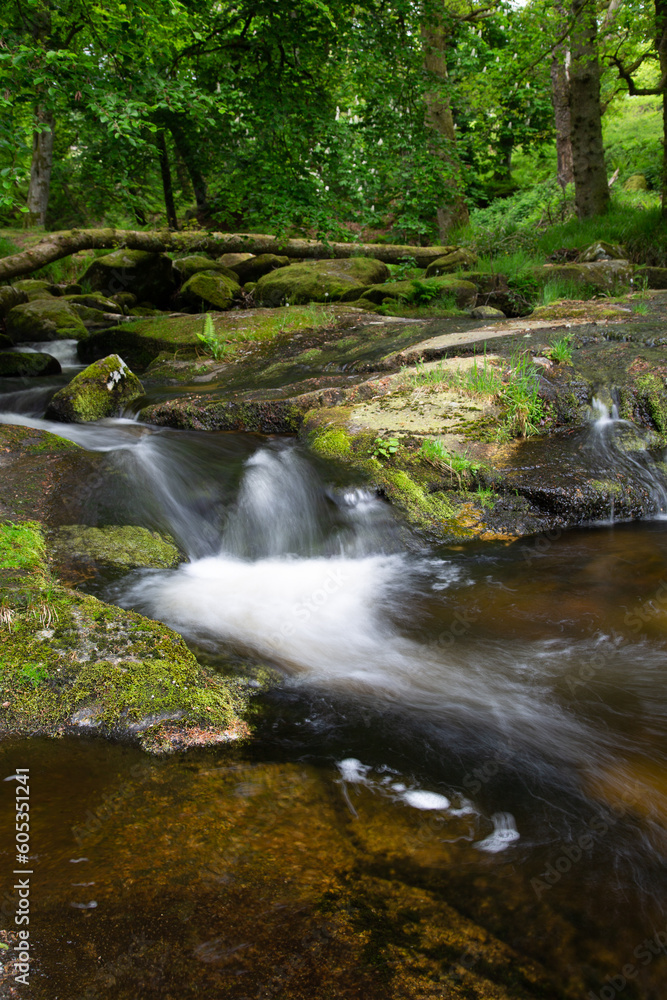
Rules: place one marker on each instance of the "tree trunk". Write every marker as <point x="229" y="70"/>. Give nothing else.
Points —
<point x="167" y="186"/>
<point x="438" y="116"/>
<point x="55" y="246"/>
<point x="560" y="98"/>
<point x="590" y="175"/>
<point x="40" y="169"/>
<point x="190" y="158"/>
<point x="661" y="45"/>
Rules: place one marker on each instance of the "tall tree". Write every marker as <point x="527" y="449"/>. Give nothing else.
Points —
<point x="590" y="176"/>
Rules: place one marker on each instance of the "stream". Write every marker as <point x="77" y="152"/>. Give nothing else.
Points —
<point x="458" y="784"/>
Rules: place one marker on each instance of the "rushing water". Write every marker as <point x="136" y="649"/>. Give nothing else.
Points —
<point x="481" y="728"/>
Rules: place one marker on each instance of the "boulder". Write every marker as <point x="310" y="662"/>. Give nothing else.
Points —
<point x="487" y="312"/>
<point x="605" y="275"/>
<point x="320" y="281"/>
<point x="454" y="261"/>
<point x="149" y="276"/>
<point x="210" y="290"/>
<point x="94" y="300"/>
<point x="36" y="289"/>
<point x="464" y="292"/>
<point x="126" y="300"/>
<point x="255" y="268"/>
<point x="232" y="259"/>
<point x="44" y="319"/>
<point x="104" y="389"/>
<point x="121" y="546"/>
<point x="10" y="296"/>
<point x="17" y="364"/>
<point x="602" y="251"/>
<point x="636" y="182"/>
<point x="187" y="266"/>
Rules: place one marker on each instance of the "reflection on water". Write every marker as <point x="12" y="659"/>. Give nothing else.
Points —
<point x="464" y="764"/>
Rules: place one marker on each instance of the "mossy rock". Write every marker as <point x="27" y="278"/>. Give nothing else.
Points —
<point x="44" y="319"/>
<point x="88" y="316"/>
<point x="95" y="300"/>
<point x="186" y="267"/>
<point x="602" y="250"/>
<point x="604" y="275"/>
<point x="120" y="546"/>
<point x="464" y="292"/>
<point x="104" y="389"/>
<point x="320" y="281"/>
<point x="211" y="290"/>
<point x="34" y="288"/>
<point x="16" y="364"/>
<point x="232" y="259"/>
<point x="486" y="312"/>
<point x="149" y="276"/>
<point x="91" y="664"/>
<point x="140" y="342"/>
<point x="255" y="268"/>
<point x="454" y="261"/>
<point x="636" y="182"/>
<point x="10" y="296"/>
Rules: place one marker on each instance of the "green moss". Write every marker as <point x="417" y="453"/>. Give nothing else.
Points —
<point x="22" y="546"/>
<point x="102" y="390"/>
<point x="333" y="442"/>
<point x="651" y="393"/>
<point x="319" y="281"/>
<point x="19" y="364"/>
<point x="44" y="319"/>
<point x="607" y="486"/>
<point x="122" y="546"/>
<point x="210" y="289"/>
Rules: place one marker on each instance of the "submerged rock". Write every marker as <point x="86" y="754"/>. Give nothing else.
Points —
<point x="211" y="290"/>
<point x="121" y="546"/>
<point x="149" y="276"/>
<point x="319" y="281"/>
<point x="104" y="389"/>
<point x="44" y="319"/>
<point x="17" y="364"/>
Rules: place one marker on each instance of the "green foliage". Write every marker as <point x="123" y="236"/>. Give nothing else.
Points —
<point x="210" y="338"/>
<point x="434" y="451"/>
<point x="35" y="673"/>
<point x="519" y="395"/>
<point x="384" y="447"/>
<point x="564" y="288"/>
<point x="561" y="350"/>
<point x="405" y="269"/>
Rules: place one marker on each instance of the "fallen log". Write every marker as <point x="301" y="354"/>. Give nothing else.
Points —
<point x="55" y="246"/>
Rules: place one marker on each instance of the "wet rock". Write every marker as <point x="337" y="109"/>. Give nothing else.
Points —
<point x="10" y="296"/>
<point x="120" y="546"/>
<point x="44" y="319"/>
<point x="320" y="281"/>
<point x="487" y="312"/>
<point x="149" y="276"/>
<point x="19" y="364"/>
<point x="255" y="268"/>
<point x="463" y="292"/>
<point x="186" y="267"/>
<point x="104" y="389"/>
<point x="456" y="260"/>
<point x="211" y="290"/>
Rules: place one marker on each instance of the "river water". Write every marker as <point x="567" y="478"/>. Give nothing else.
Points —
<point x="457" y="789"/>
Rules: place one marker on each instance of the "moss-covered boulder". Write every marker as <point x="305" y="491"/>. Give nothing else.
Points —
<point x="211" y="290"/>
<point x="458" y="259"/>
<point x="320" y="281"/>
<point x="17" y="364"/>
<point x="232" y="259"/>
<point x="103" y="389"/>
<point x="255" y="268"/>
<point x="601" y="275"/>
<point x="601" y="250"/>
<point x="185" y="267"/>
<point x="95" y="300"/>
<point x="122" y="547"/>
<point x="636" y="182"/>
<point x="10" y="296"/>
<point x="44" y="319"/>
<point x="34" y="288"/>
<point x="487" y="312"/>
<point x="71" y="661"/>
<point x="424" y="291"/>
<point x="149" y="276"/>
